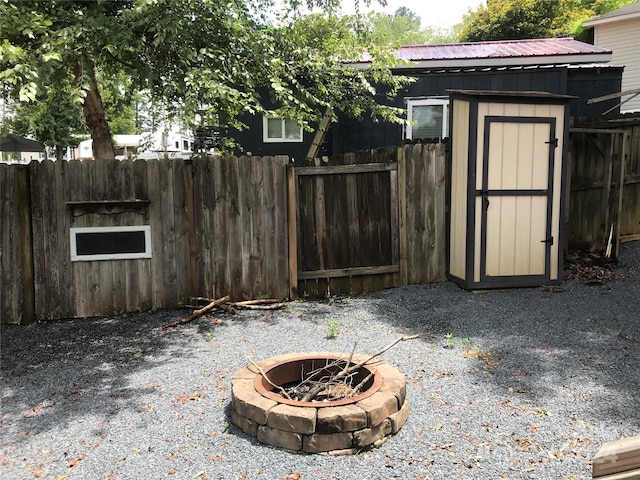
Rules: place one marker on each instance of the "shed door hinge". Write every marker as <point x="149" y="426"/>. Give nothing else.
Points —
<point x="548" y="240"/>
<point x="553" y="141"/>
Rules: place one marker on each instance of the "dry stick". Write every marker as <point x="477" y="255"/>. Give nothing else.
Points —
<point x="274" y="306"/>
<point x="264" y="375"/>
<point x="309" y="396"/>
<point x="358" y="387"/>
<point x="392" y="344"/>
<point x="260" y="301"/>
<point x="197" y="313"/>
<point x="314" y="373"/>
<point x="346" y="366"/>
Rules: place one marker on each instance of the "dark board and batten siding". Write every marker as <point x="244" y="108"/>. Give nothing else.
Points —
<point x="358" y="134"/>
<point x="351" y="134"/>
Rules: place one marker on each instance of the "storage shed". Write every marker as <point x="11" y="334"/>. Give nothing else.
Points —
<point x="507" y="187"/>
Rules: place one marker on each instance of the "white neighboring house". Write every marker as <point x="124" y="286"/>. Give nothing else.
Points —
<point x="619" y="31"/>
<point x="172" y="143"/>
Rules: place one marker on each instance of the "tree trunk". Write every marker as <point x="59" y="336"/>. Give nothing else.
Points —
<point x="59" y="152"/>
<point x="94" y="115"/>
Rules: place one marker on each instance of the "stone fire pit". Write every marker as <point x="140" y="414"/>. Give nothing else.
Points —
<point x="343" y="426"/>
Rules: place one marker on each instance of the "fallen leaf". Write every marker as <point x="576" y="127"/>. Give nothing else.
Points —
<point x="74" y="463"/>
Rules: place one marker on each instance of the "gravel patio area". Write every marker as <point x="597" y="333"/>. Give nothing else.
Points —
<point x="510" y="384"/>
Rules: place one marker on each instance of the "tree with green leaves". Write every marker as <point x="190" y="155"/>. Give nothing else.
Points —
<point x="522" y="19"/>
<point x="403" y="27"/>
<point x="206" y="59"/>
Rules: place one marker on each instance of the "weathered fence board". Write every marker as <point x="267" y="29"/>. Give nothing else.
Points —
<point x="425" y="212"/>
<point x="100" y="194"/>
<point x="371" y="220"/>
<point x="16" y="267"/>
<point x="345" y="224"/>
<point x="241" y="227"/>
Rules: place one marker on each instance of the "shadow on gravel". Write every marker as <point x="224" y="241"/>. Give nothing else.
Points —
<point x="577" y="349"/>
<point x="579" y="345"/>
<point x="55" y="373"/>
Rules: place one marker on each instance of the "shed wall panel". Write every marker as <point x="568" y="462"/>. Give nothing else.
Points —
<point x="459" y="165"/>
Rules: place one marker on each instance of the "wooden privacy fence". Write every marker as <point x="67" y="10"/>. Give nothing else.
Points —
<point x="250" y="227"/>
<point x="218" y="226"/>
<point x="604" y="182"/>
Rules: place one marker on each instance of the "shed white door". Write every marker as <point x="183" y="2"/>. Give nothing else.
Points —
<point x="516" y="197"/>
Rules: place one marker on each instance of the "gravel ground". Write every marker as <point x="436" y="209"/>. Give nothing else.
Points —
<point x="509" y="384"/>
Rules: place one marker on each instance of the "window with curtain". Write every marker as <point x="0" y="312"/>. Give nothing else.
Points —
<point x="278" y="129"/>
<point x="429" y="118"/>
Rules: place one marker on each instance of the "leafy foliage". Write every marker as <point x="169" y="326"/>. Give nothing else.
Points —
<point x="521" y="19"/>
<point x="206" y="60"/>
<point x="403" y="28"/>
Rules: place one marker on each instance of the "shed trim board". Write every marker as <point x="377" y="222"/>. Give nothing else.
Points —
<point x="544" y="190"/>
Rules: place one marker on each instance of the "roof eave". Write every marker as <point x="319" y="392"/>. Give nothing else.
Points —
<point x="617" y="18"/>
<point x="497" y="62"/>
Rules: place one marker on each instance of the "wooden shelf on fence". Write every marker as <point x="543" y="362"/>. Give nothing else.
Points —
<point x="108" y="207"/>
<point x="619" y="459"/>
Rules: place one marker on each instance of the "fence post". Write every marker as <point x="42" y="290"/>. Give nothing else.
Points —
<point x="191" y="227"/>
<point x="402" y="217"/>
<point x="292" y="232"/>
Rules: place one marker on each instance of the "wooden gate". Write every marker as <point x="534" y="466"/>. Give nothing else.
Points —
<point x="346" y="237"/>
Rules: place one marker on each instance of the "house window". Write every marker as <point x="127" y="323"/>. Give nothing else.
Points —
<point x="278" y="129"/>
<point x="110" y="243"/>
<point x="429" y="118"/>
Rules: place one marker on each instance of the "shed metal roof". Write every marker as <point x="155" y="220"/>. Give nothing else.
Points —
<point x="498" y="53"/>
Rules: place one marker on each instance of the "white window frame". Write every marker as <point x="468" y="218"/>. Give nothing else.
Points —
<point x="427" y="101"/>
<point x="265" y="132"/>
<point x="110" y="256"/>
